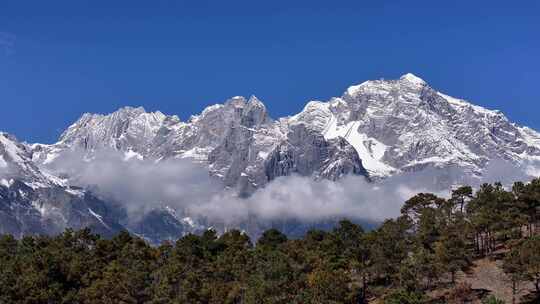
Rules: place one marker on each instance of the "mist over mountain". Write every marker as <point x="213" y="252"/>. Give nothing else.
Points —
<point x="359" y="155"/>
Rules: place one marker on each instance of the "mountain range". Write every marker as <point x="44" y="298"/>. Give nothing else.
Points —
<point x="378" y="129"/>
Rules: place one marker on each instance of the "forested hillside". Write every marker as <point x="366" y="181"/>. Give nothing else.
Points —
<point x="423" y="256"/>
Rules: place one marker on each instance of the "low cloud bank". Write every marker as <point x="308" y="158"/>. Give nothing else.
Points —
<point x="304" y="199"/>
<point x="143" y="185"/>
<point x="139" y="185"/>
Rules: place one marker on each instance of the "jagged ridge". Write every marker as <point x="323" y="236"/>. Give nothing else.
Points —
<point x="394" y="125"/>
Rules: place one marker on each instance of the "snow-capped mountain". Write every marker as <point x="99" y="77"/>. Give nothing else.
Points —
<point x="384" y="127"/>
<point x="238" y="141"/>
<point x="376" y="129"/>
<point x="34" y="201"/>
<point x="405" y="125"/>
<point x="16" y="162"/>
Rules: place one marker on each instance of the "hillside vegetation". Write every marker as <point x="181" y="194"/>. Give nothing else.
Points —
<point x="471" y="248"/>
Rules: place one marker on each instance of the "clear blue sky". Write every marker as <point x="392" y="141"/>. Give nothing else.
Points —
<point x="59" y="59"/>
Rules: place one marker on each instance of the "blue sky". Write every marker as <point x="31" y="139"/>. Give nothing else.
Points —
<point x="59" y="59"/>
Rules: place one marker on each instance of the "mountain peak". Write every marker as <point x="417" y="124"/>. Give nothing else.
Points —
<point x="130" y="109"/>
<point x="236" y="101"/>
<point x="412" y="79"/>
<point x="254" y="99"/>
<point x="10" y="146"/>
<point x="255" y="102"/>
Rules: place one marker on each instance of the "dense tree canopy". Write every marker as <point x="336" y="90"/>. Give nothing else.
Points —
<point x="432" y="240"/>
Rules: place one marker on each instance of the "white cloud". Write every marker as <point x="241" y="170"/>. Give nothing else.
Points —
<point x="142" y="185"/>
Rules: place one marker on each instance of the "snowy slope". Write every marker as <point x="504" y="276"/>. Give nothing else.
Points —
<point x="32" y="200"/>
<point x="405" y="125"/>
<point x="16" y="163"/>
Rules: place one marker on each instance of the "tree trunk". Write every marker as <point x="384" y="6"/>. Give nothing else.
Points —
<point x="364" y="289"/>
<point x="491" y="242"/>
<point x="514" y="289"/>
<point x="477" y="242"/>
<point x="481" y="244"/>
<point x="484" y="244"/>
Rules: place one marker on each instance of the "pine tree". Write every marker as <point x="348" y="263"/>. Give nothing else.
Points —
<point x="451" y="251"/>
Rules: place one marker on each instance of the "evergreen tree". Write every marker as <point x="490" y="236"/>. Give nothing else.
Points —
<point x="451" y="251"/>
<point x="271" y="238"/>
<point x="460" y="196"/>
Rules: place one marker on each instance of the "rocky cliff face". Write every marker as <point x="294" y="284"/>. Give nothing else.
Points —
<point x="307" y="152"/>
<point x="234" y="139"/>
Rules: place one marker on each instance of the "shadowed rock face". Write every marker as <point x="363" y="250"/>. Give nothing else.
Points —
<point x="307" y="152"/>
<point x="375" y="129"/>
